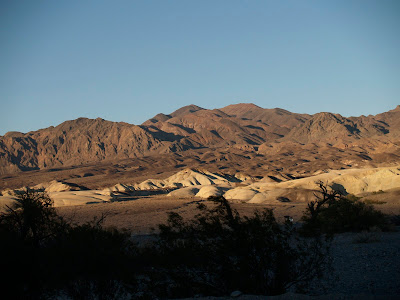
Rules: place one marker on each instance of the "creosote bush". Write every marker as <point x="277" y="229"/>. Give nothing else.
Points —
<point x="46" y="257"/>
<point x="215" y="253"/>
<point x="220" y="251"/>
<point x="97" y="262"/>
<point x="32" y="218"/>
<point x="333" y="212"/>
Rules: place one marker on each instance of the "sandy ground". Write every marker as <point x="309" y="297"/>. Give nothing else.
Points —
<point x="140" y="215"/>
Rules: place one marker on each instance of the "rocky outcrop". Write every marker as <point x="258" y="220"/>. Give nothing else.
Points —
<point x="74" y="143"/>
<point x="239" y="124"/>
<point x="333" y="127"/>
<point x="244" y="126"/>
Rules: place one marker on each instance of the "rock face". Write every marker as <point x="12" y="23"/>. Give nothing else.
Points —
<point x="239" y="124"/>
<point x="73" y="143"/>
<point x="333" y="127"/>
<point x="391" y="120"/>
<point x="245" y="127"/>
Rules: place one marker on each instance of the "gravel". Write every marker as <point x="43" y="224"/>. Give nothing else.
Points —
<point x="364" y="266"/>
<point x="363" y="263"/>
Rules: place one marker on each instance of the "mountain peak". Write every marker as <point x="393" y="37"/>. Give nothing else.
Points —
<point x="240" y="108"/>
<point x="14" y="134"/>
<point x="326" y="116"/>
<point x="188" y="109"/>
<point x="244" y="125"/>
<point x="396" y="109"/>
<point x="248" y="105"/>
<point x="325" y="126"/>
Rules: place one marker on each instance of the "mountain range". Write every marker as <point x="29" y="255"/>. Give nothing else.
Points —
<point x="233" y="133"/>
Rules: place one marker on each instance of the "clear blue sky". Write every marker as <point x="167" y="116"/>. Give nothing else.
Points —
<point x="129" y="60"/>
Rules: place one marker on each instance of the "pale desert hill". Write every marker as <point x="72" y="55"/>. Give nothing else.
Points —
<point x="66" y="198"/>
<point x="358" y="182"/>
<point x="62" y="194"/>
<point x="185" y="178"/>
<point x="195" y="183"/>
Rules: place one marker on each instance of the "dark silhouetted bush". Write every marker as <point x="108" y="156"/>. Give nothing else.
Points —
<point x="219" y="251"/>
<point x="96" y="262"/>
<point x="27" y="227"/>
<point x="215" y="253"/>
<point x="333" y="213"/>
<point x="44" y="256"/>
<point x="32" y="218"/>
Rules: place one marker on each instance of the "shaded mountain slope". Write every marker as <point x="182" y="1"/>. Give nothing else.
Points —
<point x="234" y="124"/>
<point x="333" y="127"/>
<point x="272" y="117"/>
<point x="391" y="120"/>
<point x="268" y="135"/>
<point x="73" y="143"/>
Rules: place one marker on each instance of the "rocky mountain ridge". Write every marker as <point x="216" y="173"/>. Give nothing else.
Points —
<point x="244" y="126"/>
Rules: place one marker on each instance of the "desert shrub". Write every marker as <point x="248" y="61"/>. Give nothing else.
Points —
<point x="44" y="256"/>
<point x="365" y="237"/>
<point x="26" y="227"/>
<point x="32" y="218"/>
<point x="215" y="253"/>
<point x="376" y="202"/>
<point x="97" y="262"/>
<point x="395" y="220"/>
<point x="378" y="192"/>
<point x="283" y="199"/>
<point x="219" y="251"/>
<point x="333" y="213"/>
<point x="350" y="197"/>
